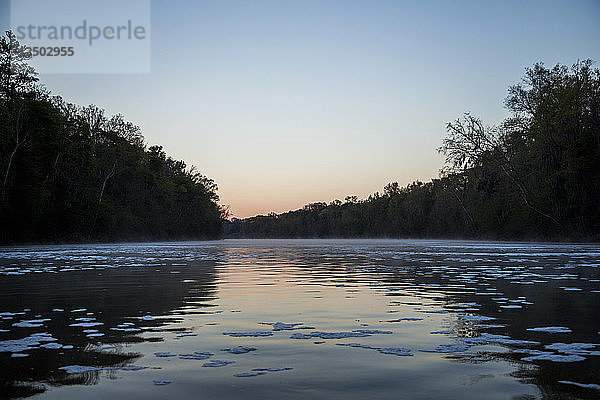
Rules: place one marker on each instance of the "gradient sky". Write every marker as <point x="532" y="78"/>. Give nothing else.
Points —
<point x="284" y="103"/>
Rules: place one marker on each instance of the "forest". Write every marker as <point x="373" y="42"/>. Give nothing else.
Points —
<point x="534" y="176"/>
<point x="75" y="174"/>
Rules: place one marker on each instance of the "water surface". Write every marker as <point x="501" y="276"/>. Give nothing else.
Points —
<point x="361" y="319"/>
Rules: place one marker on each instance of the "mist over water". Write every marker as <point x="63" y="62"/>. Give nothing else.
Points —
<point x="333" y="319"/>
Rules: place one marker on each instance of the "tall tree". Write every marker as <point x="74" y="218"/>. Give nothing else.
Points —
<point x="17" y="77"/>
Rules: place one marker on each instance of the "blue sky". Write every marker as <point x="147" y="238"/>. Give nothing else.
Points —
<point x="284" y="103"/>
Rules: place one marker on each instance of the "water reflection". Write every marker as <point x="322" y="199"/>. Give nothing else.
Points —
<point x="111" y="292"/>
<point x="463" y="311"/>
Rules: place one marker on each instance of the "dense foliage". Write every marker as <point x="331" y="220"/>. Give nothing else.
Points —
<point x="71" y="173"/>
<point x="535" y="176"/>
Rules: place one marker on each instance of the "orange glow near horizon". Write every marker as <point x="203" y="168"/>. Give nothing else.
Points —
<point x="248" y="199"/>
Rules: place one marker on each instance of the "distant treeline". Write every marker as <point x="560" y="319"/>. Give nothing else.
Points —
<point x="71" y="173"/>
<point x="535" y="176"/>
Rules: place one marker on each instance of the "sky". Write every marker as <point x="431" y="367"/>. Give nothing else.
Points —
<point x="285" y="103"/>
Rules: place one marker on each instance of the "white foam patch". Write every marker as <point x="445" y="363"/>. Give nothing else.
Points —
<point x="164" y="354"/>
<point x="339" y="335"/>
<point x="127" y="368"/>
<point x="78" y="369"/>
<point x="551" y="329"/>
<point x="448" y="348"/>
<point x="272" y="369"/>
<point x="575" y="348"/>
<point x="282" y="326"/>
<point x="106" y="347"/>
<point x="358" y="345"/>
<point x="554" y="358"/>
<point x="472" y="357"/>
<point x="489" y="326"/>
<point x="405" y="319"/>
<point x="31" y="323"/>
<point x="217" y="363"/>
<point x="499" y="339"/>
<point x="27" y="343"/>
<point x="593" y="386"/>
<point x="87" y="324"/>
<point x="239" y="349"/>
<point x="249" y="334"/>
<point x="397" y="351"/>
<point x="249" y="374"/>
<point x="197" y="355"/>
<point x="532" y="351"/>
<point x="126" y="329"/>
<point x="187" y="334"/>
<point x="373" y="331"/>
<point x="10" y="314"/>
<point x="475" y="318"/>
<point x="51" y="345"/>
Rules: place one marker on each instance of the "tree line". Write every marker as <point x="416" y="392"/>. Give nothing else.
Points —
<point x="72" y="173"/>
<point x="535" y="176"/>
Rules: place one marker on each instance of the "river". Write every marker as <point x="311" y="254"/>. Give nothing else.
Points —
<point x="298" y="319"/>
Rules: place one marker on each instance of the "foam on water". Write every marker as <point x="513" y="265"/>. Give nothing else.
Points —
<point x="593" y="386"/>
<point x="164" y="354"/>
<point x="272" y="369"/>
<point x="239" y="349"/>
<point x="551" y="329"/>
<point x="448" y="348"/>
<point x="281" y="326"/>
<point x="78" y="369"/>
<point x="249" y="374"/>
<point x="436" y="282"/>
<point x="554" y="358"/>
<point x="575" y="348"/>
<point x="397" y="351"/>
<point x="249" y="334"/>
<point x="217" y="363"/>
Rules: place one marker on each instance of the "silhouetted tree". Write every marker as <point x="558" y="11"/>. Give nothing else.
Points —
<point x="534" y="176"/>
<point x="73" y="173"/>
